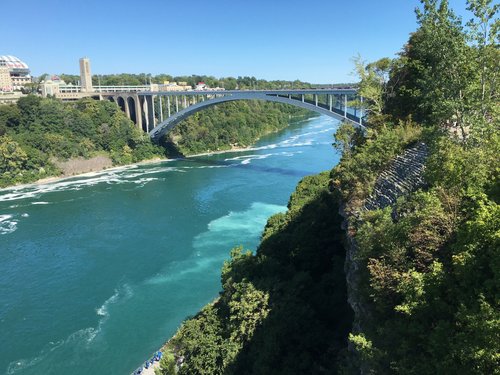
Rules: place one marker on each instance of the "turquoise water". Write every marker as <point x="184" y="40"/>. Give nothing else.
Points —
<point x="96" y="272"/>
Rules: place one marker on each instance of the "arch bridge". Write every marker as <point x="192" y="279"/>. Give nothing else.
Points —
<point x="159" y="112"/>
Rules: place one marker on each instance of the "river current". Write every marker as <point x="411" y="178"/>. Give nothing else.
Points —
<point x="97" y="271"/>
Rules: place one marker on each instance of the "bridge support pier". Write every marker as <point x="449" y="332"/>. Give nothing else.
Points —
<point x="161" y="109"/>
<point x="138" y="110"/>
<point x="127" y="108"/>
<point x="345" y="105"/>
<point x="150" y="115"/>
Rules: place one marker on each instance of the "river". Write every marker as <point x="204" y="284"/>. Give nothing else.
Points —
<point x="97" y="271"/>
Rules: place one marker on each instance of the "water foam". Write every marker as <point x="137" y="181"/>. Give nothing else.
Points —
<point x="122" y="293"/>
<point x="7" y="224"/>
<point x="237" y="226"/>
<point x="127" y="174"/>
<point x="211" y="247"/>
<point x="83" y="336"/>
<point x="247" y="159"/>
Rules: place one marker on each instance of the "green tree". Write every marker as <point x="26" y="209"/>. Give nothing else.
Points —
<point x="12" y="157"/>
<point x="10" y="118"/>
<point x="431" y="79"/>
<point x="372" y="87"/>
<point x="484" y="33"/>
<point x="29" y="107"/>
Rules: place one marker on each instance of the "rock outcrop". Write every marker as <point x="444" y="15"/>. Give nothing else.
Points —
<point x="403" y="176"/>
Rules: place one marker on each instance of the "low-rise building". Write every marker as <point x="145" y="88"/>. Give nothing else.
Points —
<point x="174" y="86"/>
<point x="201" y="86"/>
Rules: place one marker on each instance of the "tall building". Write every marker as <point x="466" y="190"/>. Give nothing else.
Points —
<point x="85" y="75"/>
<point x="5" y="80"/>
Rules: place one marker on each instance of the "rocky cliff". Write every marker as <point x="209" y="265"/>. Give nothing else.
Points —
<point x="404" y="175"/>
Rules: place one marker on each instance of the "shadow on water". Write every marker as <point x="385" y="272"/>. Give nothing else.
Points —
<point x="301" y="267"/>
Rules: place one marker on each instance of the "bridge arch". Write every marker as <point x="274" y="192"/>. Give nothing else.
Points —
<point x="131" y="108"/>
<point x="121" y="103"/>
<point x="170" y="123"/>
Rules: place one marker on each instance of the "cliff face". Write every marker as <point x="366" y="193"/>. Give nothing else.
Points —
<point x="403" y="176"/>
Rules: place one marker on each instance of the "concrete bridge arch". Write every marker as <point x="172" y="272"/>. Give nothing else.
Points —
<point x="145" y="109"/>
<point x="133" y="105"/>
<point x="172" y="121"/>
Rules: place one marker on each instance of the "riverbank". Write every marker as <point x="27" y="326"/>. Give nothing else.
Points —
<point x="102" y="166"/>
<point x="81" y="165"/>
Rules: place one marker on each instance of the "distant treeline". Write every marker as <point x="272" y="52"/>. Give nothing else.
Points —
<point x="228" y="83"/>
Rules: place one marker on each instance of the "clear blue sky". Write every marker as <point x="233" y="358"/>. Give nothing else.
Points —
<point x="312" y="40"/>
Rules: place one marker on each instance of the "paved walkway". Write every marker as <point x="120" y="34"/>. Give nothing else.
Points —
<point x="151" y="369"/>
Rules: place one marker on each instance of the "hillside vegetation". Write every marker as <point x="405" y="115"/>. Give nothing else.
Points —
<point x="429" y="265"/>
<point x="36" y="131"/>
<point x="233" y="124"/>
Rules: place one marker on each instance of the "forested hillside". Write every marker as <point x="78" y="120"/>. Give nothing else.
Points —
<point x="232" y="124"/>
<point x="36" y="131"/>
<point x="426" y="295"/>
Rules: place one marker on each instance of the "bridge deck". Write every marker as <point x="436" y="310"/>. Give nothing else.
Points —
<point x="349" y="91"/>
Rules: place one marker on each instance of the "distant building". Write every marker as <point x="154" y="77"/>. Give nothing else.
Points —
<point x="201" y="86"/>
<point x="5" y="80"/>
<point x="50" y="87"/>
<point x="174" y="86"/>
<point x="85" y="75"/>
<point x="18" y="70"/>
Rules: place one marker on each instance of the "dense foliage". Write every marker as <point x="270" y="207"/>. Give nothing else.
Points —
<point x="36" y="132"/>
<point x="283" y="310"/>
<point x="233" y="124"/>
<point x="364" y="158"/>
<point x="429" y="266"/>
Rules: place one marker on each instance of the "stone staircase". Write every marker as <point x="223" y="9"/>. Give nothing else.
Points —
<point x="404" y="175"/>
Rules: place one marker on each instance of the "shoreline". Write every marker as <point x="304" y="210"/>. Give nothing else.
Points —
<point x="53" y="179"/>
